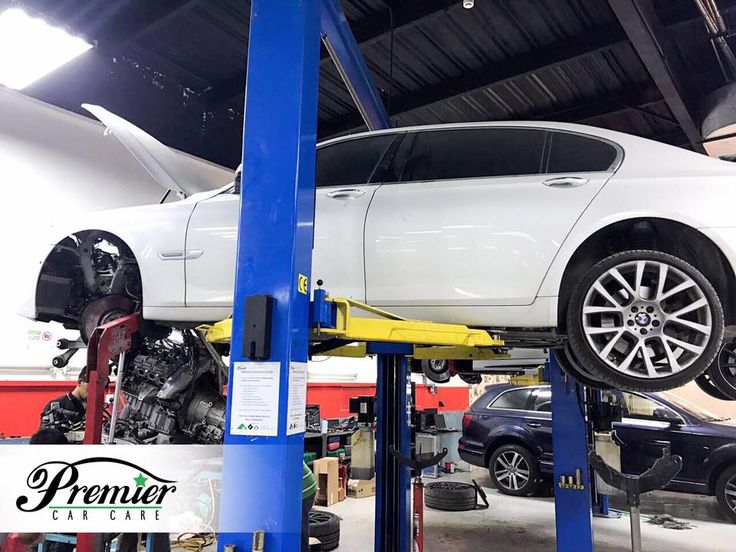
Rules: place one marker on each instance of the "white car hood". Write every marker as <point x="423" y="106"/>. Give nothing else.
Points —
<point x="167" y="167"/>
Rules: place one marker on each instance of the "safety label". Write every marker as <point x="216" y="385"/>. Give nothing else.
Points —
<point x="297" y="409"/>
<point x="302" y="284"/>
<point x="255" y="406"/>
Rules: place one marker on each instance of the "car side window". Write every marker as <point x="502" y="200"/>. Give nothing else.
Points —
<point x="642" y="408"/>
<point x="474" y="153"/>
<point x="542" y="400"/>
<point x="351" y="162"/>
<point x="576" y="153"/>
<point x="516" y="399"/>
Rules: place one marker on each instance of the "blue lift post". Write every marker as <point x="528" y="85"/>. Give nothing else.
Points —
<point x="262" y="475"/>
<point x="573" y="501"/>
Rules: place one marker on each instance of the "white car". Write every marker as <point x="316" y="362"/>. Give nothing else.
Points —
<point x="625" y="245"/>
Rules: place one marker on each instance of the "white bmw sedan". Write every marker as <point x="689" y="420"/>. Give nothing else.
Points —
<point x="624" y="245"/>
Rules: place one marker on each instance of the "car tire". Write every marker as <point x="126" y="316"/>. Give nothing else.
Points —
<point x="571" y="366"/>
<point x="726" y="492"/>
<point x="706" y="386"/>
<point x="657" y="337"/>
<point x="722" y="371"/>
<point x="451" y="496"/>
<point x="325" y="526"/>
<point x="514" y="470"/>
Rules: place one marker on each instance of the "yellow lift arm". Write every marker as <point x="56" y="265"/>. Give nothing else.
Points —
<point x="431" y="340"/>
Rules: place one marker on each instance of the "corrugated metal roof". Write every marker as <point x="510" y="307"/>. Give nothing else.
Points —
<point x="504" y="59"/>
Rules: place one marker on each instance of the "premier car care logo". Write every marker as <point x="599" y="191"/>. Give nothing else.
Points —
<point x="119" y="489"/>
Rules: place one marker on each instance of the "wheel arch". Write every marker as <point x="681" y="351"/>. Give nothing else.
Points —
<point x="723" y="459"/>
<point x="502" y="440"/>
<point x="659" y="234"/>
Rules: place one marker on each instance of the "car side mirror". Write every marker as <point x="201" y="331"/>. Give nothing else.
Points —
<point x="666" y="415"/>
<point x="236" y="189"/>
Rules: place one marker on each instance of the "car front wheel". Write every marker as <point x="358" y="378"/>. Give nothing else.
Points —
<point x="514" y="470"/>
<point x="644" y="321"/>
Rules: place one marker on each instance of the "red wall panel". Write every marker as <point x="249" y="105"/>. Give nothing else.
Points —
<point x="21" y="402"/>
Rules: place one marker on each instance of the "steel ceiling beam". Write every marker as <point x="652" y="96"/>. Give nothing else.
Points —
<point x="649" y="38"/>
<point x="367" y="33"/>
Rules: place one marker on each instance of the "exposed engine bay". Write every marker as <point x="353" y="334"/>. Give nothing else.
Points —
<point x="173" y="393"/>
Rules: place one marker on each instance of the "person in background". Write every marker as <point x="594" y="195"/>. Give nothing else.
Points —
<point x="67" y="412"/>
<point x="309" y="490"/>
<point x="48" y="436"/>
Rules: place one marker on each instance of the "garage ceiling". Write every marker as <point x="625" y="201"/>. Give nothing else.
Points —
<point x="176" y="68"/>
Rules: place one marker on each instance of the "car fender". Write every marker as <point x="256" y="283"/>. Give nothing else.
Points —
<point x="589" y="225"/>
<point x="725" y="454"/>
<point x="154" y="233"/>
<point x="510" y="433"/>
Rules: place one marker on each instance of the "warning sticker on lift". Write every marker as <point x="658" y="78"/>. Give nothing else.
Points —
<point x="303" y="284"/>
<point x="297" y="410"/>
<point x="255" y="406"/>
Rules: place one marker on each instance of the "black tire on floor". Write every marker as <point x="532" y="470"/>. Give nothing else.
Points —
<point x="722" y="371"/>
<point x="726" y="492"/>
<point x="508" y="458"/>
<point x="452" y="496"/>
<point x="639" y="380"/>
<point x="325" y="526"/>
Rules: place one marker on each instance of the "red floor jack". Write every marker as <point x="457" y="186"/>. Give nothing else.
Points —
<point x="106" y="342"/>
<point x="417" y="465"/>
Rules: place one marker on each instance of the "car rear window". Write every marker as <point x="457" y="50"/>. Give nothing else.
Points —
<point x="576" y="153"/>
<point x="516" y="399"/>
<point x="474" y="153"/>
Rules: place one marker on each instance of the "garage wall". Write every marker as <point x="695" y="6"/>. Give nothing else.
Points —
<point x="55" y="164"/>
<point x="692" y="393"/>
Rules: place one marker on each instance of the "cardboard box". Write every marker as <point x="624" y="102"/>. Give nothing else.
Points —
<point x="361" y="488"/>
<point x="325" y="472"/>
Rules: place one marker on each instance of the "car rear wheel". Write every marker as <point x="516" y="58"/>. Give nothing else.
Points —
<point x="726" y="492"/>
<point x="644" y="321"/>
<point x="514" y="470"/>
<point x="722" y="372"/>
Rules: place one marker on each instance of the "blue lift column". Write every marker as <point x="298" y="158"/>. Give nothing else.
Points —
<point x="262" y="472"/>
<point x="573" y="503"/>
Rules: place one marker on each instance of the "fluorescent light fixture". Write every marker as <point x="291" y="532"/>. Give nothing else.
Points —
<point x="31" y="48"/>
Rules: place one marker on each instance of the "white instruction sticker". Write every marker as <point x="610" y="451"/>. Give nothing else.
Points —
<point x="255" y="406"/>
<point x="296" y="414"/>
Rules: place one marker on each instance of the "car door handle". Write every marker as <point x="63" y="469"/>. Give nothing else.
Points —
<point x="534" y="425"/>
<point x="347" y="193"/>
<point x="565" y="181"/>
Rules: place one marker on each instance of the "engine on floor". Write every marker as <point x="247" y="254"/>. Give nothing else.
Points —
<point x="172" y="394"/>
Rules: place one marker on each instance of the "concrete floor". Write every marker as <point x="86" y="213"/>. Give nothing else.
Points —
<point x="513" y="524"/>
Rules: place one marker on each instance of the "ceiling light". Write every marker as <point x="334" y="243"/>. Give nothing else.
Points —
<point x="31" y="48"/>
<point x="468" y="4"/>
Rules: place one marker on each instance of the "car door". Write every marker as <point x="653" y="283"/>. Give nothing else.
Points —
<point x="647" y="427"/>
<point x="344" y="172"/>
<point x="347" y="175"/>
<point x="478" y="214"/>
<point x="539" y="421"/>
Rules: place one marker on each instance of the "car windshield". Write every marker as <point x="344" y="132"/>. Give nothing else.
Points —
<point x="693" y="409"/>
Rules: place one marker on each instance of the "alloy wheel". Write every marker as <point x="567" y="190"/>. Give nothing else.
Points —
<point x="647" y="319"/>
<point x="511" y="470"/>
<point x="730" y="493"/>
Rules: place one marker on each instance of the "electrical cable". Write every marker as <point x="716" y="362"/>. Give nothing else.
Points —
<point x="390" y="55"/>
<point x="194" y="542"/>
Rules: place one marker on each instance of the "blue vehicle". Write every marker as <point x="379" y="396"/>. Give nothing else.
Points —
<point x="509" y="431"/>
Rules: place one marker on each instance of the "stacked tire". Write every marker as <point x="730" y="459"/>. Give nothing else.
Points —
<point x="325" y="527"/>
<point x="450" y="496"/>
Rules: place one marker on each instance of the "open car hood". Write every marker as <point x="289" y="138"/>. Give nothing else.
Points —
<point x="171" y="169"/>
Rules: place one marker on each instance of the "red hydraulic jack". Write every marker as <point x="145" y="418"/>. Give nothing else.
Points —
<point x="417" y="465"/>
<point x="106" y="342"/>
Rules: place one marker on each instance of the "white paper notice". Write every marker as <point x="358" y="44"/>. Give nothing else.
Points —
<point x="296" y="414"/>
<point x="255" y="408"/>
